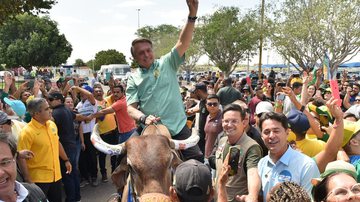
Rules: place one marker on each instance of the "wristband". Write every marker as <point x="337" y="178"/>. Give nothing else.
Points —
<point x="142" y="119"/>
<point x="192" y="19"/>
<point x="302" y="108"/>
<point x="67" y="160"/>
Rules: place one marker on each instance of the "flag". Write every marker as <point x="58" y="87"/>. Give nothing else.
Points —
<point x="326" y="67"/>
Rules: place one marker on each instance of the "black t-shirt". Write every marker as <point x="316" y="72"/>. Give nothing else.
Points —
<point x="202" y="118"/>
<point x="64" y="120"/>
<point x="255" y="135"/>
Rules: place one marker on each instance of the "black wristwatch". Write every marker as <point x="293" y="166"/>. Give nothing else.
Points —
<point x="192" y="18"/>
<point x="142" y="119"/>
<point x="302" y="108"/>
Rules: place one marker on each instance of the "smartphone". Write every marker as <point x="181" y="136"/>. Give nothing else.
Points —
<point x="71" y="83"/>
<point x="234" y="157"/>
<point x="31" y="83"/>
<point x="280" y="97"/>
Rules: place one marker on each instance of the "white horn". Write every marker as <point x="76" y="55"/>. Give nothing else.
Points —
<point x="104" y="147"/>
<point x="187" y="143"/>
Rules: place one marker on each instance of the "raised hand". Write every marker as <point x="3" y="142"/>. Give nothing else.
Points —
<point x="193" y="7"/>
<point x="334" y="109"/>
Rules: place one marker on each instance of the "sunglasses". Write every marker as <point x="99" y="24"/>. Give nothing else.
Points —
<point x="8" y="122"/>
<point x="357" y="100"/>
<point x="212" y="104"/>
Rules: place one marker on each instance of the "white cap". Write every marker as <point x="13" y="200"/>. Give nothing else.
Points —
<point x="263" y="106"/>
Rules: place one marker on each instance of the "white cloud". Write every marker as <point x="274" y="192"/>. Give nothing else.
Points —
<point x="135" y="3"/>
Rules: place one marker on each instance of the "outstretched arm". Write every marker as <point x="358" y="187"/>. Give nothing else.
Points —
<point x="187" y="32"/>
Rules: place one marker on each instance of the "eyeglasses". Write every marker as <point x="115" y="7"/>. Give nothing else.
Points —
<point x="231" y="121"/>
<point x="341" y="193"/>
<point x="212" y="104"/>
<point x="6" y="163"/>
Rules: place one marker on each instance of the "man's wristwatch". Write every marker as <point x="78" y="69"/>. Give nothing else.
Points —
<point x="192" y="19"/>
<point x="142" y="119"/>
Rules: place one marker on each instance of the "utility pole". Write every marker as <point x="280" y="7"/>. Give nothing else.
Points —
<point x="138" y="12"/>
<point x="261" y="34"/>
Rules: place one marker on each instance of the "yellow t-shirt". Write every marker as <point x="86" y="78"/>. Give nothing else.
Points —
<point x="109" y="122"/>
<point x="43" y="141"/>
<point x="310" y="147"/>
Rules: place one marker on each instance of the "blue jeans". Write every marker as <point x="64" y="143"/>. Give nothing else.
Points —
<point x="125" y="136"/>
<point x="71" y="181"/>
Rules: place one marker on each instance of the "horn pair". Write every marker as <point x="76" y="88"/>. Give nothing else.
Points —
<point x="118" y="149"/>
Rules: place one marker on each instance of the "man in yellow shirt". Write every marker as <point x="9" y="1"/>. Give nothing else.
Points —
<point x="40" y="136"/>
<point x="107" y="128"/>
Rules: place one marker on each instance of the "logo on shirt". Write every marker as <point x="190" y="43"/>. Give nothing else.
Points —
<point x="284" y="175"/>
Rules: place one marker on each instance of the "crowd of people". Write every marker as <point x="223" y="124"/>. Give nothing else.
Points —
<point x="260" y="139"/>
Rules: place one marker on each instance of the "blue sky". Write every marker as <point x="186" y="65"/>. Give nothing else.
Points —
<point x="95" y="25"/>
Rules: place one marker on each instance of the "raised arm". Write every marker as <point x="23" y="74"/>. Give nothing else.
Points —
<point x="336" y="137"/>
<point x="187" y="32"/>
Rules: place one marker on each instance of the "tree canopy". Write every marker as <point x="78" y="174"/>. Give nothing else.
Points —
<point x="79" y="63"/>
<point x="227" y="37"/>
<point x="107" y="57"/>
<point x="303" y="31"/>
<point x="32" y="41"/>
<point x="163" y="37"/>
<point x="10" y="8"/>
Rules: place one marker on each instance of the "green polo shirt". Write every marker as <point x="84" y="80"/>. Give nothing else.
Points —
<point x="156" y="90"/>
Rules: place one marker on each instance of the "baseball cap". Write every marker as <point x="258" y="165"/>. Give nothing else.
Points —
<point x="3" y="117"/>
<point x="16" y="105"/>
<point x="296" y="80"/>
<point x="193" y="181"/>
<point x="88" y="88"/>
<point x="298" y="122"/>
<point x="56" y="95"/>
<point x="350" y="129"/>
<point x="199" y="86"/>
<point x="335" y="167"/>
<point x="263" y="107"/>
<point x="355" y="109"/>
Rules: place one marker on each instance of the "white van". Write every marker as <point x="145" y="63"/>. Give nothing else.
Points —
<point x="120" y="71"/>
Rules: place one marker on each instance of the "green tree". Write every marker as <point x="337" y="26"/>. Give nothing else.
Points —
<point x="193" y="54"/>
<point x="32" y="41"/>
<point x="10" y="8"/>
<point x="163" y="37"/>
<point x="107" y="57"/>
<point x="304" y="30"/>
<point x="227" y="36"/>
<point x="79" y="63"/>
<point x="90" y="63"/>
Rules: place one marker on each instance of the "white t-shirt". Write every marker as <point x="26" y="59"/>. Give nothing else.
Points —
<point x="86" y="109"/>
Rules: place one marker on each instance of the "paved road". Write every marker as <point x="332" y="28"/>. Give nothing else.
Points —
<point x="100" y="193"/>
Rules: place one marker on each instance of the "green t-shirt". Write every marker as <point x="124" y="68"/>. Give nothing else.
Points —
<point x="156" y="90"/>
